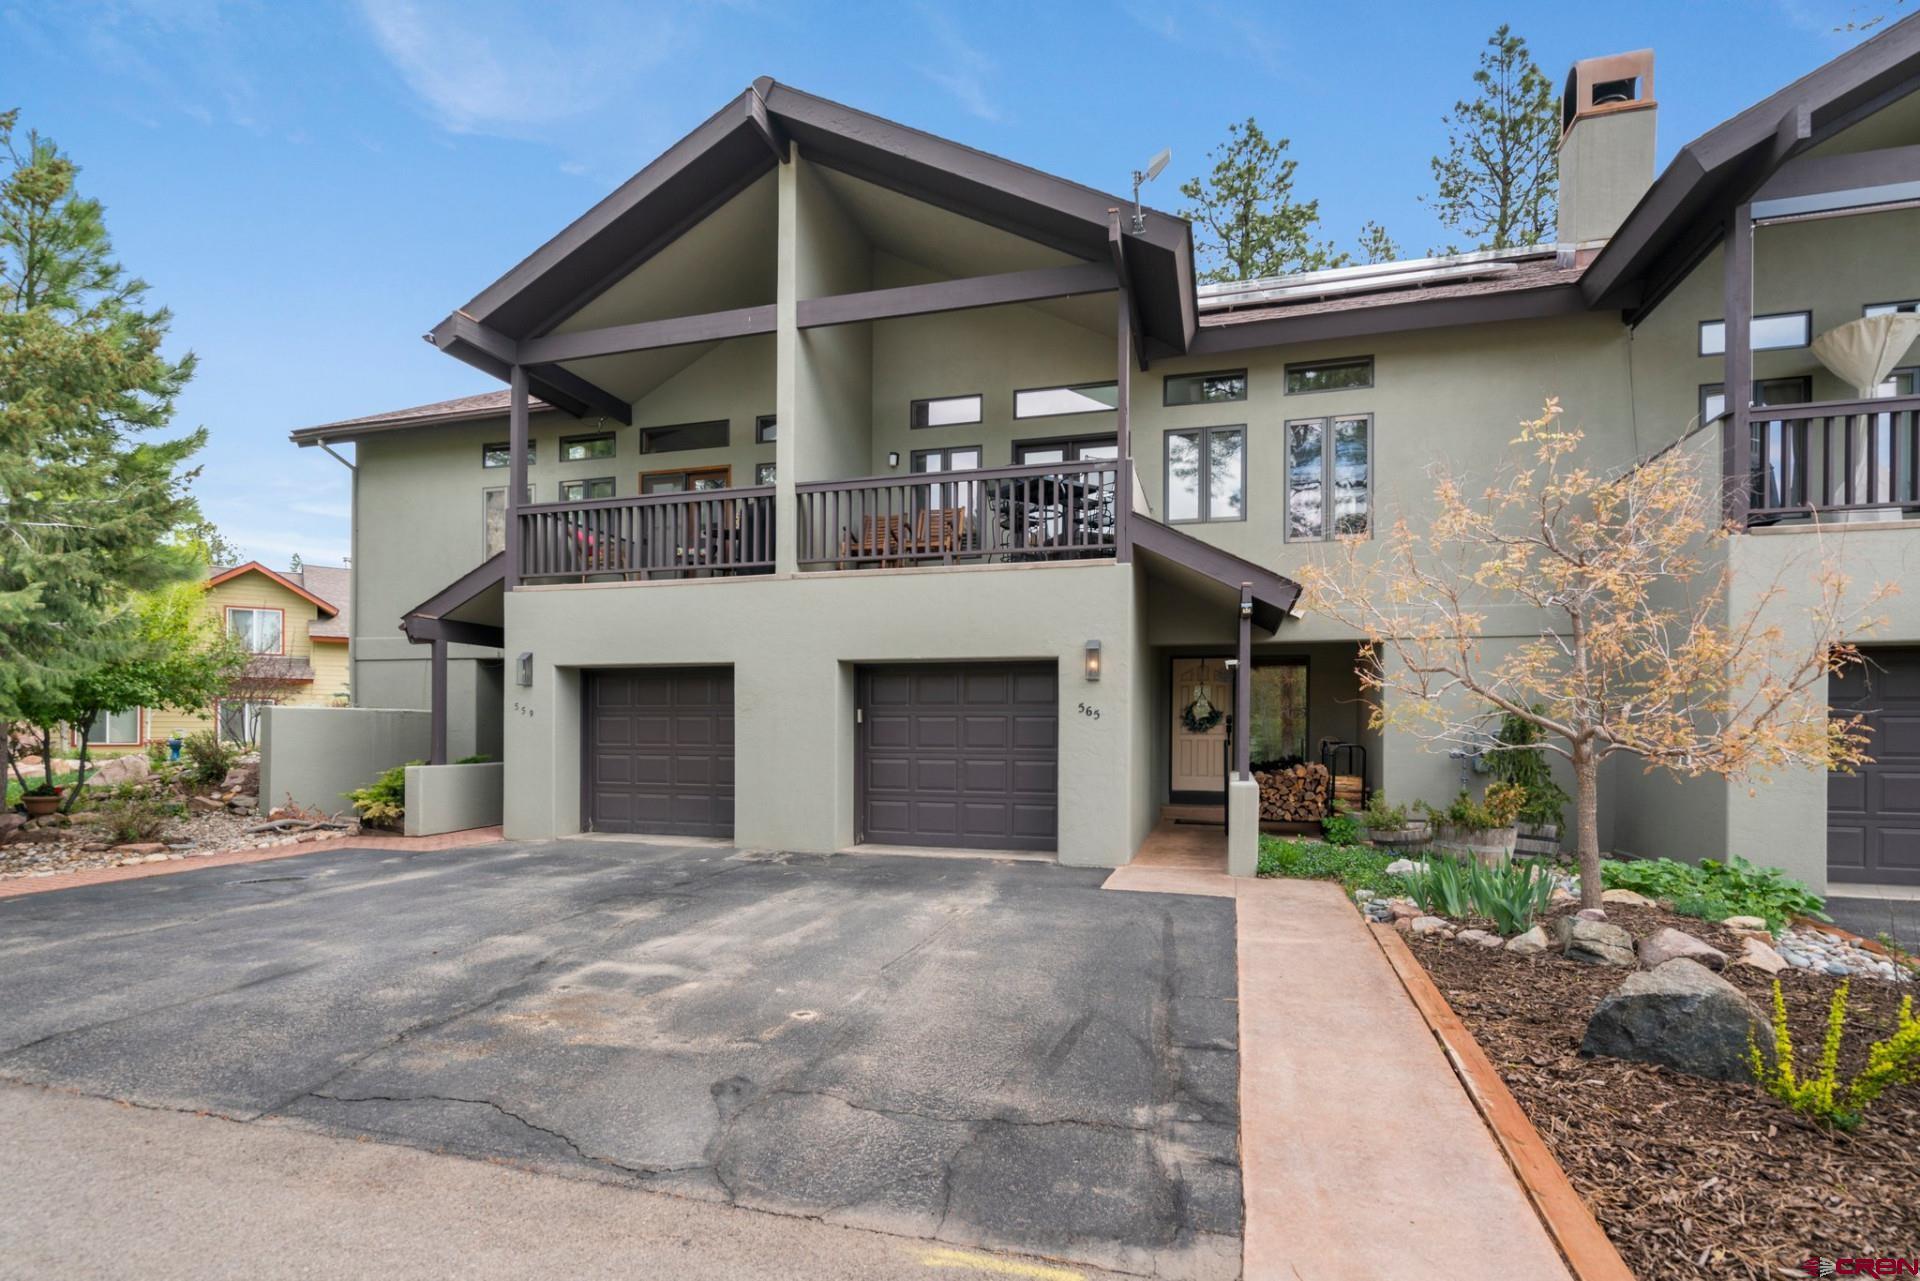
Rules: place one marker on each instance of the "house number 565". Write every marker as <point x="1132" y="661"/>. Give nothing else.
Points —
<point x="1091" y="713"/>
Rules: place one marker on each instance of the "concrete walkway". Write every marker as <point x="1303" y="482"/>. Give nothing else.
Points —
<point x="1360" y="1153"/>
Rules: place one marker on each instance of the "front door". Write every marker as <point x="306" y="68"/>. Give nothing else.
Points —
<point x="1202" y="701"/>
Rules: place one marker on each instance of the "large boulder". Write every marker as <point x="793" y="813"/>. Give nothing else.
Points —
<point x="1594" y="942"/>
<point x="10" y="823"/>
<point x="1683" y="1016"/>
<point x="1672" y="945"/>
<point x="122" y="769"/>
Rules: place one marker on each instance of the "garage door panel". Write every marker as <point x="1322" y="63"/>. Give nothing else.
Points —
<point x="1873" y="815"/>
<point x="962" y="754"/>
<point x="660" y="751"/>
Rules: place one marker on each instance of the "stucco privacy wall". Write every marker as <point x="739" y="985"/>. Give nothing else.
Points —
<point x="453" y="798"/>
<point x="1783" y="821"/>
<point x="316" y="755"/>
<point x="793" y="644"/>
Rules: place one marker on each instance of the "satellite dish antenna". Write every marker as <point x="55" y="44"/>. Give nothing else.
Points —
<point x="1142" y="177"/>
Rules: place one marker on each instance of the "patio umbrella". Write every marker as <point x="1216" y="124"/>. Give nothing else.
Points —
<point x="1863" y="352"/>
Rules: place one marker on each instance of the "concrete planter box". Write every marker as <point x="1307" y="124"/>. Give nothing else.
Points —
<point x="1491" y="846"/>
<point x="1413" y="833"/>
<point x="454" y="798"/>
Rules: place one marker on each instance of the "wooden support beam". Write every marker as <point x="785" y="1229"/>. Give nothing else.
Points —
<point x="467" y="340"/>
<point x="1851" y="180"/>
<point x="649" y="335"/>
<point x="437" y="743"/>
<point x="1243" y="689"/>
<point x="763" y="124"/>
<point x="1130" y="310"/>
<point x="959" y="295"/>
<point x="517" y="415"/>
<point x="453" y="632"/>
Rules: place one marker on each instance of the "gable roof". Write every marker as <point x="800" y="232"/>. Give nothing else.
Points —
<point x="1681" y="218"/>
<point x="220" y="576"/>
<point x="461" y="409"/>
<point x="745" y="138"/>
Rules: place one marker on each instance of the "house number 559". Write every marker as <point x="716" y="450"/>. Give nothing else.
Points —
<point x="1091" y="713"/>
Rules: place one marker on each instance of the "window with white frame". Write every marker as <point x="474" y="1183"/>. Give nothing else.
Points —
<point x="493" y="520"/>
<point x="1768" y="333"/>
<point x="240" y="719"/>
<point x="1206" y="474"/>
<point x="115" y="728"/>
<point x="1329" y="465"/>
<point x="257" y="630"/>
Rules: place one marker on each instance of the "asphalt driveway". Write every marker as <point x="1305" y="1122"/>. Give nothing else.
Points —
<point x="986" y="1053"/>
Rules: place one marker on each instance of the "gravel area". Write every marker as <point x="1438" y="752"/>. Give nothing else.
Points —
<point x="83" y="847"/>
<point x="1691" y="1177"/>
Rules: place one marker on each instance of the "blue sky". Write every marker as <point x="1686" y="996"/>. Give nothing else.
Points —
<point x="310" y="186"/>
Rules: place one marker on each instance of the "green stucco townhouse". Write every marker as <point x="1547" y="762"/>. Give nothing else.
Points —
<point x="851" y="486"/>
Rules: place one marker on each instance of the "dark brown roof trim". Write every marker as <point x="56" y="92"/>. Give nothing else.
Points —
<point x="466" y="409"/>
<point x="1274" y="595"/>
<point x="1397" y="316"/>
<point x="427" y="621"/>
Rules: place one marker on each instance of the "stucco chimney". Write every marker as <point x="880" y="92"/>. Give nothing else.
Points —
<point x="1606" y="144"/>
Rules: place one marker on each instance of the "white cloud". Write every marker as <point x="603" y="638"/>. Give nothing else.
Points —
<point x="510" y="70"/>
<point x="963" y="71"/>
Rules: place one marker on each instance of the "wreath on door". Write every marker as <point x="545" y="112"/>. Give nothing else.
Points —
<point x="1200" y="715"/>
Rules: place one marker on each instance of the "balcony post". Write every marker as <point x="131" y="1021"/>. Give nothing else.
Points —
<point x="1736" y="441"/>
<point x="1123" y="428"/>
<point x="517" y="414"/>
<point x="437" y="742"/>
<point x="1243" y="690"/>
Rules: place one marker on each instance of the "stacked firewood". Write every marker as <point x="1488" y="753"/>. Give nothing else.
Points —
<point x="1293" y="793"/>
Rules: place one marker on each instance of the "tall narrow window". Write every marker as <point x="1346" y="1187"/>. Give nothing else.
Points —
<point x="1206" y="474"/>
<point x="493" y="520"/>
<point x="1318" y="468"/>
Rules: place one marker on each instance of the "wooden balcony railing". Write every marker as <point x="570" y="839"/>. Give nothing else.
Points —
<point x="682" y="535"/>
<point x="1041" y="511"/>
<point x="1834" y="456"/>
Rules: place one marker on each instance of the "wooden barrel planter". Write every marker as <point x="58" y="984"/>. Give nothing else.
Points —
<point x="1413" y="834"/>
<point x="1537" y="840"/>
<point x="1491" y="846"/>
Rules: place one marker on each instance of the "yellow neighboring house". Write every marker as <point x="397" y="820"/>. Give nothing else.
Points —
<point x="296" y="626"/>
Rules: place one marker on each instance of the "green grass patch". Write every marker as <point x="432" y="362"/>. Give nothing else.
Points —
<point x="1356" y="867"/>
<point x="1713" y="891"/>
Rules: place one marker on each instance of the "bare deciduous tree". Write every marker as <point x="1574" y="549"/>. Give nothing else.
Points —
<point x="1637" y="653"/>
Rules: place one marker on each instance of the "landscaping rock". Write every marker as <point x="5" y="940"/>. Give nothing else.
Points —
<point x="1480" y="937"/>
<point x="1427" y="925"/>
<point x="1626" y="898"/>
<point x="1744" y="923"/>
<point x="1533" y="942"/>
<point x="9" y="824"/>
<point x="141" y="847"/>
<point x="1592" y="914"/>
<point x="1594" y="942"/>
<point x="122" y="769"/>
<point x="1680" y="1015"/>
<point x="1671" y="944"/>
<point x="1760" y="956"/>
<point x="244" y="804"/>
<point x="242" y="778"/>
<point x="1404" y="909"/>
<point x="1404" y="867"/>
<point x="1561" y="897"/>
<point x="206" y="805"/>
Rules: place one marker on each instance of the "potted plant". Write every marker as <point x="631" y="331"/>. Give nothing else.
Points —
<point x="42" y="799"/>
<point x="1516" y="759"/>
<point x="1482" y="830"/>
<point x="1390" y="825"/>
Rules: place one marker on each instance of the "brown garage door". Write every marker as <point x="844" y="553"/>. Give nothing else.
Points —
<point x="960" y="754"/>
<point x="659" y="751"/>
<point x="1873" y="815"/>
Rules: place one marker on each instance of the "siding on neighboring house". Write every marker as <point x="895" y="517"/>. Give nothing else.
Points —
<point x="328" y="659"/>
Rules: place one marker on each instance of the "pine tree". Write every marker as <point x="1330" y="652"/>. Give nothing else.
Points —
<point x="1247" y="222"/>
<point x="89" y="499"/>
<point x="1498" y="182"/>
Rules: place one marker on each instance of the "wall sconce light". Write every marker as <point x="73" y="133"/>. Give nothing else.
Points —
<point x="893" y="459"/>
<point x="1093" y="660"/>
<point x="523" y="668"/>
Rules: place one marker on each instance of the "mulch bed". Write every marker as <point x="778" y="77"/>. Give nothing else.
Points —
<point x="1696" y="1178"/>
